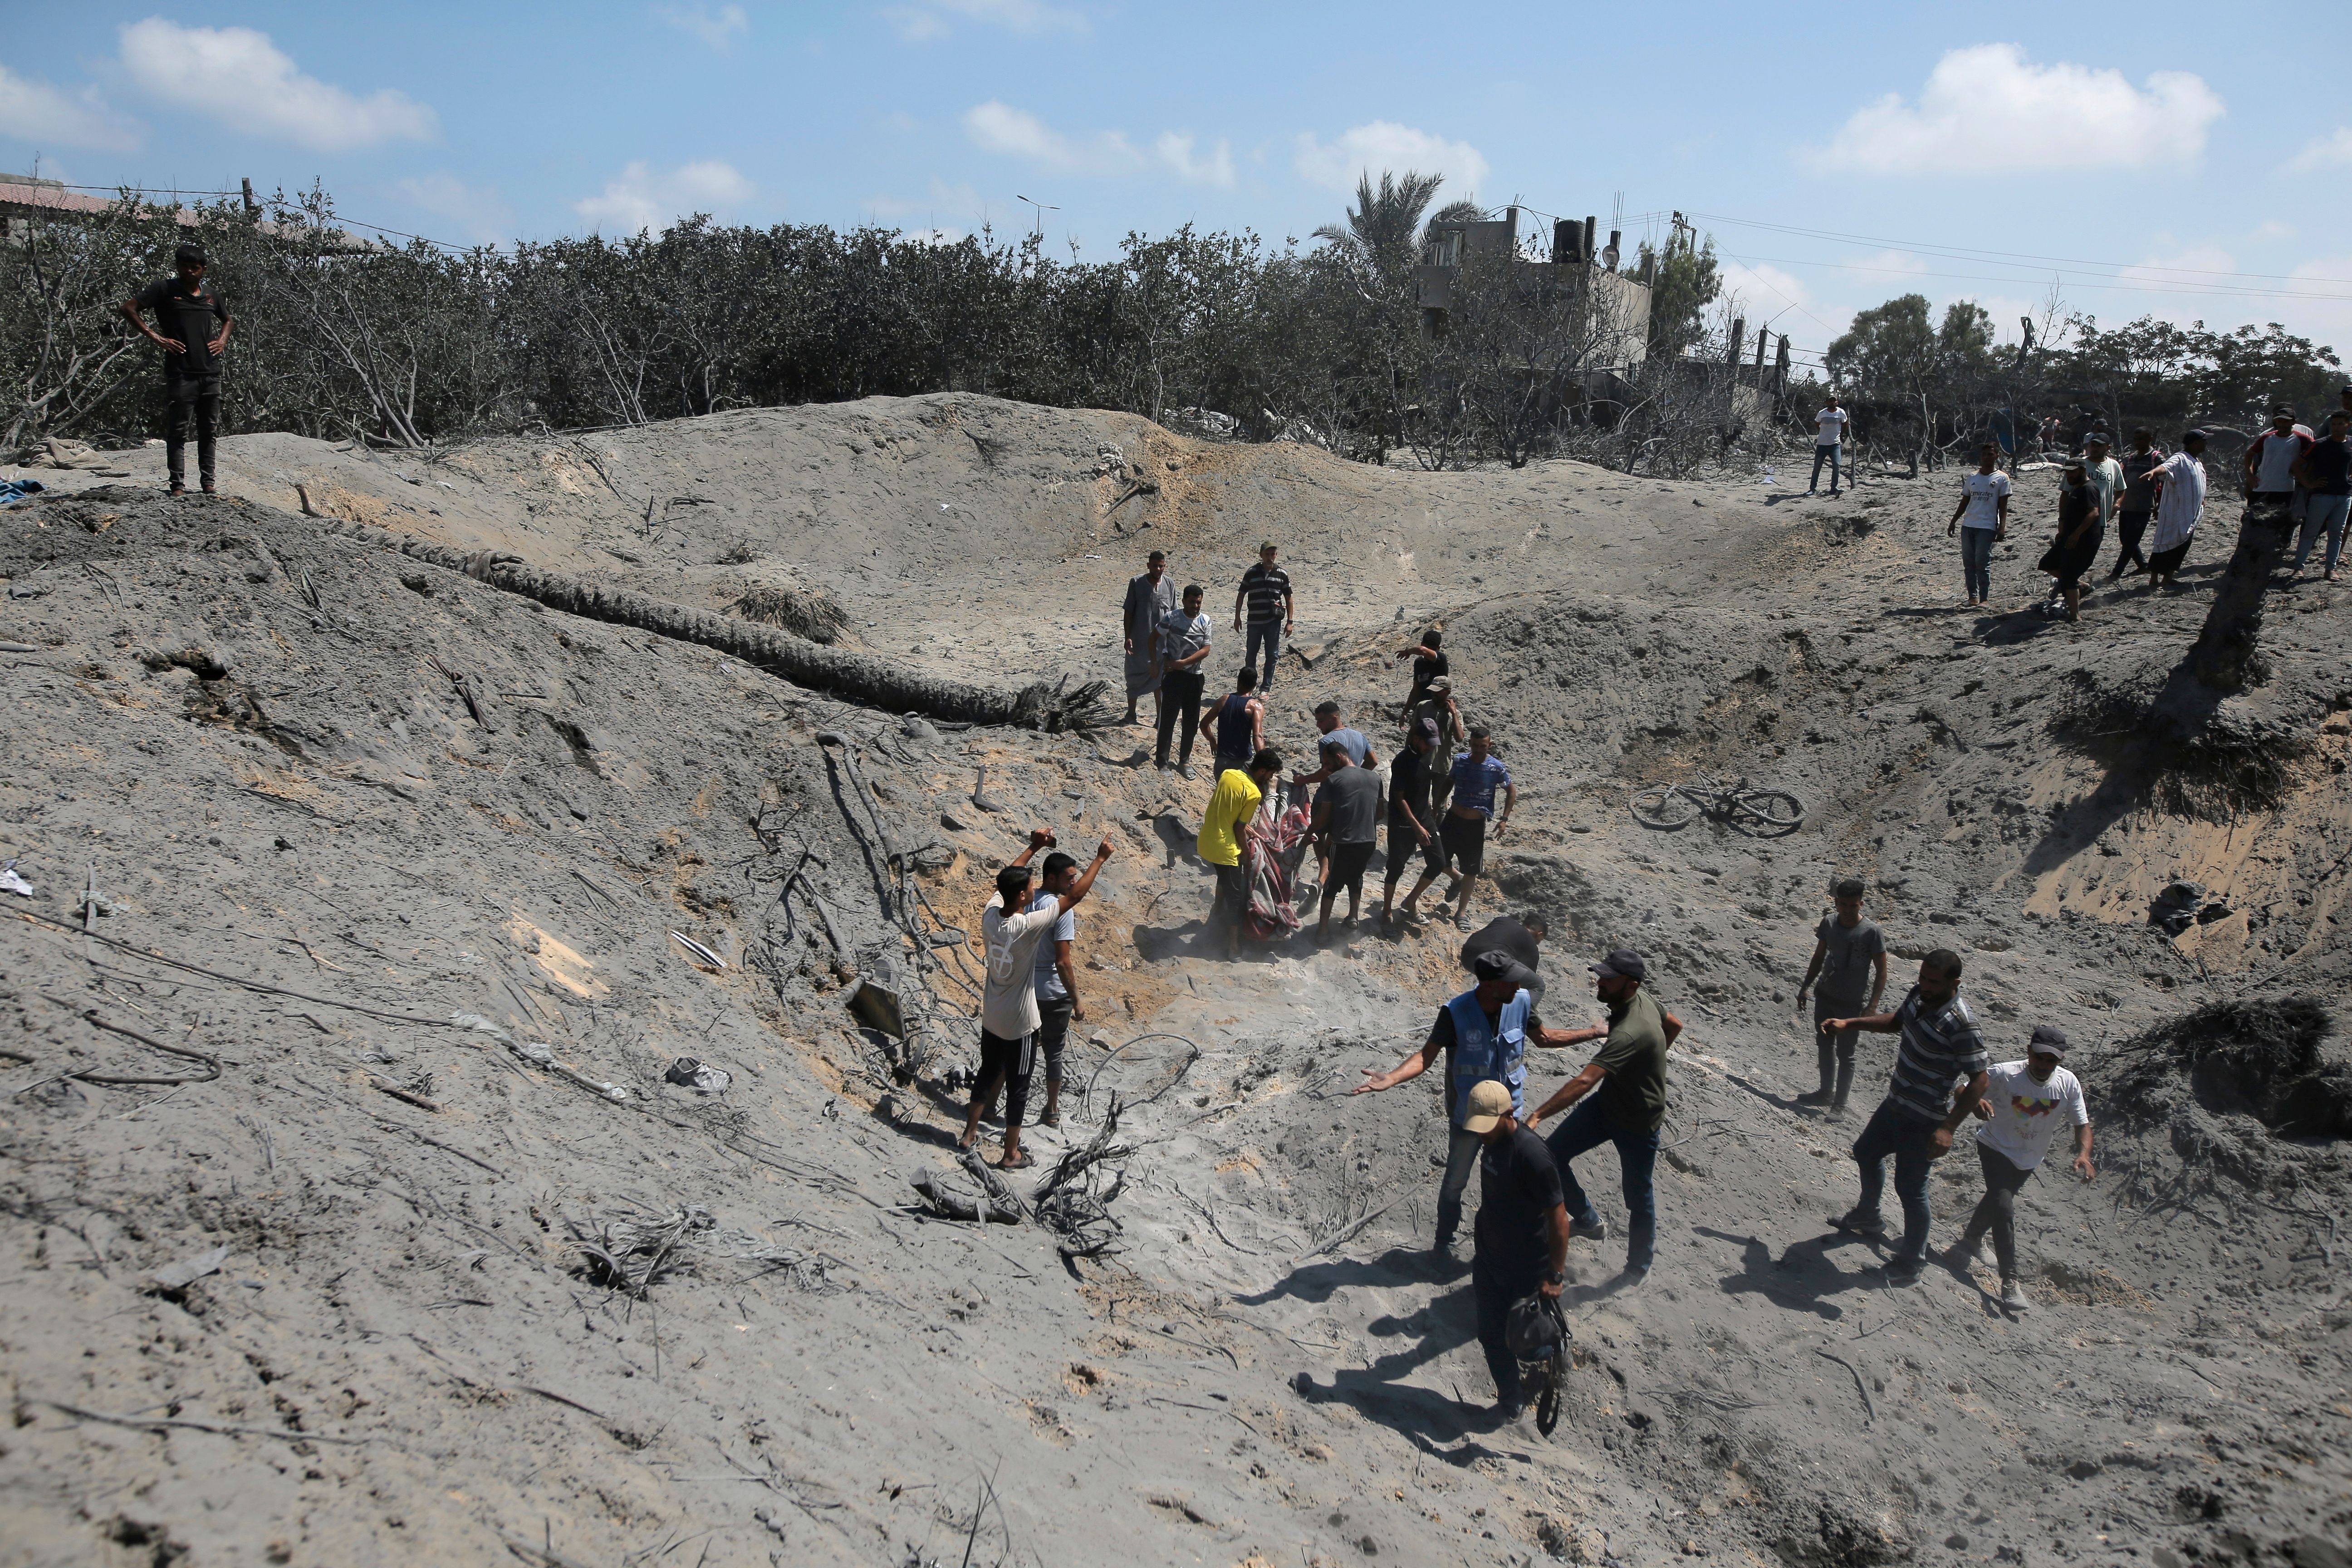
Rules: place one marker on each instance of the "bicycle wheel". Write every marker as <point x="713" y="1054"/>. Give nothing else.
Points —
<point x="1665" y="805"/>
<point x="1773" y="809"/>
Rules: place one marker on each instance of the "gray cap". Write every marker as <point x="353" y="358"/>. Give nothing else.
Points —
<point x="2048" y="1040"/>
<point x="1622" y="962"/>
<point x="1491" y="964"/>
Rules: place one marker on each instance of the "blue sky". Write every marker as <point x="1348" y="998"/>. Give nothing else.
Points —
<point x="1838" y="154"/>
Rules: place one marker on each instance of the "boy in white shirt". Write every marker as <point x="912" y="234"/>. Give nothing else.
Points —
<point x="1828" y="446"/>
<point x="1981" y="519"/>
<point x="2022" y="1106"/>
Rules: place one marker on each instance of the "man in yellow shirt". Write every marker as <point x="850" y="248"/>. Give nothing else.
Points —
<point x="1236" y="801"/>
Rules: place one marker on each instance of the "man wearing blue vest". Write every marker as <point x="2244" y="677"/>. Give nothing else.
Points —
<point x="1483" y="1034"/>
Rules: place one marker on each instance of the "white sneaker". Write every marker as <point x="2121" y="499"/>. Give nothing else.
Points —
<point x="2012" y="1299"/>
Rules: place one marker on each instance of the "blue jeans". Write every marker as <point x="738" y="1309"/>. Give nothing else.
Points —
<point x="1587" y="1128"/>
<point x="2323" y="514"/>
<point x="1893" y="1130"/>
<point x="1267" y="634"/>
<point x="1976" y="561"/>
<point x="1830" y="455"/>
<point x="1495" y="1284"/>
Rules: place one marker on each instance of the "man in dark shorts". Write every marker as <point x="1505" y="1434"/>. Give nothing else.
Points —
<point x="1850" y="964"/>
<point x="1517" y="939"/>
<point x="1484" y="1035"/>
<point x="1631" y="1070"/>
<point x="1056" y="980"/>
<point x="1348" y="809"/>
<point x="1273" y="611"/>
<point x="186" y="310"/>
<point x="1940" y="1047"/>
<point x="1149" y="598"/>
<point x="1413" y="830"/>
<point x="1476" y="775"/>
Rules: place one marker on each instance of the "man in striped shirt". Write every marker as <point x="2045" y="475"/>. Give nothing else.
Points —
<point x="1272" y="613"/>
<point x="1941" y="1049"/>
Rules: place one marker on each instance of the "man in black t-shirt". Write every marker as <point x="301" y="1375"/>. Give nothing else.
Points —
<point x="1522" y="1230"/>
<point x="1413" y="821"/>
<point x="186" y="310"/>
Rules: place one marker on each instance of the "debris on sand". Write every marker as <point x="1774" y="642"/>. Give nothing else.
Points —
<point x="2259" y="1057"/>
<point x="632" y="1251"/>
<point x="804" y="615"/>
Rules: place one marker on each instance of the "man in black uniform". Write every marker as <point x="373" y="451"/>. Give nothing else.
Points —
<point x="1413" y="822"/>
<point x="1522" y="1230"/>
<point x="185" y="311"/>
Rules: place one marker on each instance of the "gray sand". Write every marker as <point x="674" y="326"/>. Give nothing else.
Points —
<point x="403" y="1353"/>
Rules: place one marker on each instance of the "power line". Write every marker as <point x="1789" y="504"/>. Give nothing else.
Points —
<point x="2192" y="291"/>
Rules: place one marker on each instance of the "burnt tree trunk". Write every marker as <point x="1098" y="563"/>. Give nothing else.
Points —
<point x="857" y="677"/>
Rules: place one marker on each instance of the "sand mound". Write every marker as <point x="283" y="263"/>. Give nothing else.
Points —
<point x="446" y="880"/>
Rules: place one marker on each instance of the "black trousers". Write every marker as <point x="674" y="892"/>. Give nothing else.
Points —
<point x="1179" y="693"/>
<point x="193" y="400"/>
<point x="1009" y="1064"/>
<point x="2129" y="527"/>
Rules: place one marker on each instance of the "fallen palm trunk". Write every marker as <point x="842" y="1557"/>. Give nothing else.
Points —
<point x="860" y="677"/>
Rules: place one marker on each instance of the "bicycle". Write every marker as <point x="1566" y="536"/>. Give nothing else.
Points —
<point x="1670" y="806"/>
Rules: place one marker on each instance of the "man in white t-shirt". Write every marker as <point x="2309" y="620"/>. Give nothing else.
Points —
<point x="1829" y="444"/>
<point x="1011" y="929"/>
<point x="2023" y="1106"/>
<point x="1981" y="519"/>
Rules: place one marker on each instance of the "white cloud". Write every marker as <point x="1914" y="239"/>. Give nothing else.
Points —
<point x="921" y="24"/>
<point x="1175" y="150"/>
<point x="479" y="210"/>
<point x="641" y="199"/>
<point x="996" y="127"/>
<point x="1988" y="109"/>
<point x="36" y="111"/>
<point x="718" y="28"/>
<point x="2182" y="269"/>
<point x="1761" y="287"/>
<point x="1383" y="144"/>
<point x="2330" y="152"/>
<point x="241" y="79"/>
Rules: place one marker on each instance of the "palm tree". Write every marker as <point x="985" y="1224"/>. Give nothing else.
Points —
<point x="1381" y="227"/>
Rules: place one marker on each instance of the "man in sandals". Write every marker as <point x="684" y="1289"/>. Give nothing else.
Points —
<point x="1011" y="929"/>
<point x="2022" y="1108"/>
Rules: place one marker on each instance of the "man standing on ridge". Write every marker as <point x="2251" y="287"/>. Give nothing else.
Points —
<point x="1056" y="982"/>
<point x="1011" y="930"/>
<point x="1829" y="446"/>
<point x="1484" y="1035"/>
<point x="1631" y="1070"/>
<point x="2270" y="462"/>
<point x="2179" y="506"/>
<point x="1981" y="519"/>
<point x="1475" y="776"/>
<point x="1150" y="598"/>
<point x="1266" y="594"/>
<point x="1914" y="1124"/>
<point x="1232" y="808"/>
<point x="185" y="311"/>
<point x="2022" y="1106"/>
<point x="1181" y="648"/>
<point x="1850" y="962"/>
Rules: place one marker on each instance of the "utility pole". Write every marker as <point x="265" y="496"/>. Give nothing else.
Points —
<point x="251" y="206"/>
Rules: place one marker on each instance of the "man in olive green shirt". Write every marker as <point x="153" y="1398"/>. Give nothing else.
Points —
<point x="1631" y="1070"/>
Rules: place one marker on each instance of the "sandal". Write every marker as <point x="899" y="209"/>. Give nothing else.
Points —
<point x="1018" y="1162"/>
<point x="964" y="1143"/>
<point x="1051" y="1119"/>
